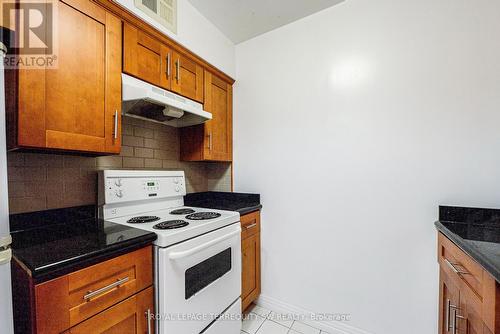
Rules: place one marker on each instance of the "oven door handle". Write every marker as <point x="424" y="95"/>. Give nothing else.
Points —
<point x="197" y="249"/>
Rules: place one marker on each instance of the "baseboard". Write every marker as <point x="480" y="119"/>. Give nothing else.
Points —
<point x="332" y="327"/>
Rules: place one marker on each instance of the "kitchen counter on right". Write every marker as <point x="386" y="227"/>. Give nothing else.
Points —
<point x="476" y="231"/>
<point x="240" y="202"/>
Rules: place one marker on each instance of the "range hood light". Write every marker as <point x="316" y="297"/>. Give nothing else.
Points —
<point x="173" y="112"/>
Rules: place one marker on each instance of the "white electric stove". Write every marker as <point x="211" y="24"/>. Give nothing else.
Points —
<point x="197" y="252"/>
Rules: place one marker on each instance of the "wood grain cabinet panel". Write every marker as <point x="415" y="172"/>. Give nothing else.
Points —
<point x="187" y="77"/>
<point x="250" y="253"/>
<point x="469" y="300"/>
<point x="449" y="298"/>
<point x="75" y="106"/>
<point x="213" y="140"/>
<point x="71" y="300"/>
<point x="452" y="258"/>
<point x="146" y="58"/>
<point x="127" y="317"/>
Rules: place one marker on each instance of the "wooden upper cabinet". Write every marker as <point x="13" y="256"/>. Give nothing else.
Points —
<point x="213" y="140"/>
<point x="146" y="58"/>
<point x="219" y="102"/>
<point x="150" y="60"/>
<point x="77" y="105"/>
<point x="187" y="77"/>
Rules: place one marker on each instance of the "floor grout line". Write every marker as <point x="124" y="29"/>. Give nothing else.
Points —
<point x="267" y="318"/>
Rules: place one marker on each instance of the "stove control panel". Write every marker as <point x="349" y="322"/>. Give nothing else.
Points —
<point x="126" y="186"/>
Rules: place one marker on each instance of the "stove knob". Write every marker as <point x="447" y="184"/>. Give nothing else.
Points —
<point x="118" y="182"/>
<point x="119" y="193"/>
<point x="176" y="180"/>
<point x="177" y="189"/>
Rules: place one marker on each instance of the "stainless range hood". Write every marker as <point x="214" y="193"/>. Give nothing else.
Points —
<point x="145" y="101"/>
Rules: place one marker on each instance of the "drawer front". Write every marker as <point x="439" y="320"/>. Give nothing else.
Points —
<point x="250" y="224"/>
<point x="129" y="316"/>
<point x="84" y="293"/>
<point x="460" y="266"/>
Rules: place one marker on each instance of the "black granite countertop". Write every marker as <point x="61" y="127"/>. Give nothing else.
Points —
<point x="476" y="231"/>
<point x="243" y="203"/>
<point x="56" y="242"/>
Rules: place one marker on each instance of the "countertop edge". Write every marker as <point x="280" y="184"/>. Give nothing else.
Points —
<point x="250" y="209"/>
<point x="77" y="263"/>
<point x="471" y="251"/>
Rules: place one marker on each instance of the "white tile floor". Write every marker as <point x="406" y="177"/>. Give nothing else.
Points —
<point x="264" y="321"/>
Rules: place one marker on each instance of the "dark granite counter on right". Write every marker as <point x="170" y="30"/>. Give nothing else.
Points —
<point x="476" y="231"/>
<point x="241" y="202"/>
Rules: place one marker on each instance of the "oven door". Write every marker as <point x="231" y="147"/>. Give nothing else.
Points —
<point x="197" y="280"/>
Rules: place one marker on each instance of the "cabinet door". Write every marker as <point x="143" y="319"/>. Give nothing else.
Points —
<point x="213" y="140"/>
<point x="250" y="276"/>
<point x="127" y="317"/>
<point x="77" y="105"/>
<point x="219" y="130"/>
<point x="469" y="315"/>
<point x="145" y="57"/>
<point x="449" y="299"/>
<point x="188" y="77"/>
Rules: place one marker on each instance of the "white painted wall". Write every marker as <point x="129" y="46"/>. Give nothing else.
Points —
<point x="197" y="34"/>
<point x="355" y="124"/>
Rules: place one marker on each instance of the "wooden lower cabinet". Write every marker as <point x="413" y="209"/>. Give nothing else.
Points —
<point x="448" y="298"/>
<point x="469" y="297"/>
<point x="250" y="253"/>
<point x="109" y="297"/>
<point x="127" y="317"/>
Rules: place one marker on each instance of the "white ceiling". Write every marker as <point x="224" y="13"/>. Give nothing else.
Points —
<point x="241" y="20"/>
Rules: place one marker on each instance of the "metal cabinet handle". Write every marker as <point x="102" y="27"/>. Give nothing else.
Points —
<point x="92" y="294"/>
<point x="210" y="141"/>
<point x="115" y="132"/>
<point x="148" y="317"/>
<point x="455" y="269"/>
<point x="454" y="322"/>
<point x="449" y="307"/>
<point x="168" y="65"/>
<point x="250" y="226"/>
<point x="178" y="70"/>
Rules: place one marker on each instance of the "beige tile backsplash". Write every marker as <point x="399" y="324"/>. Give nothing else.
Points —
<point x="48" y="181"/>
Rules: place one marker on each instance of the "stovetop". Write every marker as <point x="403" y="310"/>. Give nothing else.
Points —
<point x="174" y="225"/>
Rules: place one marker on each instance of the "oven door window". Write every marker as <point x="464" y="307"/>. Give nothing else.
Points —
<point x="204" y="273"/>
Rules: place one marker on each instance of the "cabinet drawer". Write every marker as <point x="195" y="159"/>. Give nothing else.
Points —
<point x="250" y="224"/>
<point x="459" y="265"/>
<point x="128" y="316"/>
<point x="84" y="293"/>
